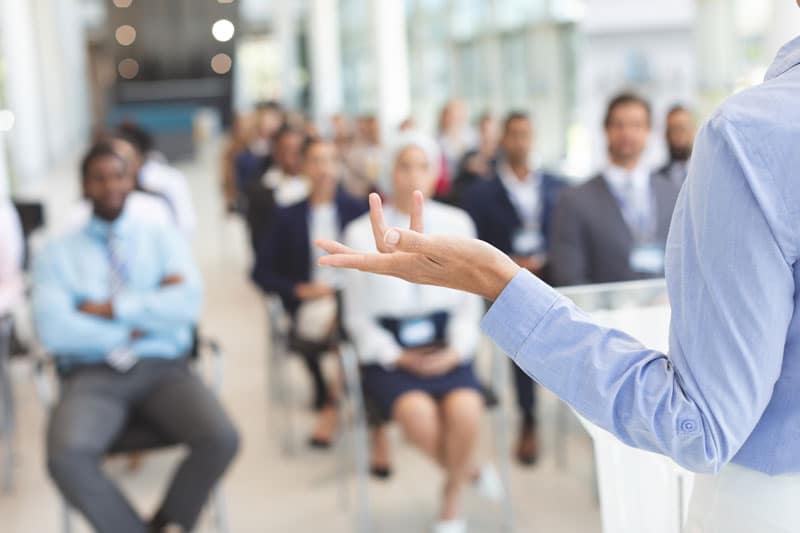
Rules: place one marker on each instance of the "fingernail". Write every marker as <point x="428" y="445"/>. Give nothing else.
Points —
<point x="392" y="237"/>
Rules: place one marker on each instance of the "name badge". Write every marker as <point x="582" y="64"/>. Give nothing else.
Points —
<point x="647" y="259"/>
<point x="527" y="242"/>
<point x="417" y="332"/>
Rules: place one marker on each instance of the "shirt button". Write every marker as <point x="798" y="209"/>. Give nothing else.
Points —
<point x="688" y="426"/>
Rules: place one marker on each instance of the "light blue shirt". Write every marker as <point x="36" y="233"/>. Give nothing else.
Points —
<point x="729" y="390"/>
<point x="75" y="269"/>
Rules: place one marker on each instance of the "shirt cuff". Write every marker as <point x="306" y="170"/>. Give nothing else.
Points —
<point x="518" y="311"/>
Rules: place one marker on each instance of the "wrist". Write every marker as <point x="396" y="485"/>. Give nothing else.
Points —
<point x="499" y="276"/>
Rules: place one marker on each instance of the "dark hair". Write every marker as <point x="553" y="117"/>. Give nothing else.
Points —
<point x="678" y="108"/>
<point x="137" y="136"/>
<point x="512" y="116"/>
<point x="97" y="151"/>
<point x="283" y="131"/>
<point x="310" y="142"/>
<point x="269" y="105"/>
<point x="626" y="98"/>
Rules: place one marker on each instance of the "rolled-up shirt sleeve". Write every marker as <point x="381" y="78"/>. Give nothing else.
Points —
<point x="731" y="287"/>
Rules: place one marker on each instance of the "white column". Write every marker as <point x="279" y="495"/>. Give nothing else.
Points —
<point x="784" y="26"/>
<point x="26" y="141"/>
<point x="4" y="180"/>
<point x="285" y="16"/>
<point x="388" y="27"/>
<point x="716" y="51"/>
<point x="325" y="59"/>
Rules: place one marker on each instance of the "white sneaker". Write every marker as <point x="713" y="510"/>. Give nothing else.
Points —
<point x="489" y="485"/>
<point x="457" y="525"/>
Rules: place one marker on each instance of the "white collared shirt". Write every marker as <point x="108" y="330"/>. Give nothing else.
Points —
<point x="525" y="195"/>
<point x="288" y="189"/>
<point x="323" y="224"/>
<point x="171" y="183"/>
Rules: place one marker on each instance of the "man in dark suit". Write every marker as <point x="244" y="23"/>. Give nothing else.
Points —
<point x="512" y="211"/>
<point x="286" y="263"/>
<point x="680" y="133"/>
<point x="614" y="227"/>
<point x="256" y="159"/>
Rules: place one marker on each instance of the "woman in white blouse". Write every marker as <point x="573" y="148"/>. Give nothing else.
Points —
<point x="416" y="343"/>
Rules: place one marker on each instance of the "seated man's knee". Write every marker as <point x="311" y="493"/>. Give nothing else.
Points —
<point x="222" y="444"/>
<point x="65" y="463"/>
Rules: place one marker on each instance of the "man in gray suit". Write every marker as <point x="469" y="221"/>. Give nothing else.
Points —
<point x="614" y="227"/>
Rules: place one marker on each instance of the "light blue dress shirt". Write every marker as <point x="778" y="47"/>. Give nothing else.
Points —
<point x="729" y="390"/>
<point x="75" y="268"/>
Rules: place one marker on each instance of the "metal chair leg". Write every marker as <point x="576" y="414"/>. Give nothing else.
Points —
<point x="220" y="511"/>
<point x="66" y="517"/>
<point x="502" y="445"/>
<point x="8" y="427"/>
<point x="360" y="437"/>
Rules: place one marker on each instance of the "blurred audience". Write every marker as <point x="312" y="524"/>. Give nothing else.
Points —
<point x="417" y="343"/>
<point x="680" y="133"/>
<point x="12" y="250"/>
<point x="157" y="176"/>
<point x="282" y="184"/>
<point x="116" y="302"/>
<point x="614" y="227"/>
<point x="478" y="163"/>
<point x="257" y="157"/>
<point x="456" y="138"/>
<point x="235" y="145"/>
<point x="286" y="265"/>
<point x="364" y="160"/>
<point x="512" y="211"/>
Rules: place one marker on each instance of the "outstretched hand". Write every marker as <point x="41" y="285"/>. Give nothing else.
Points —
<point x="454" y="262"/>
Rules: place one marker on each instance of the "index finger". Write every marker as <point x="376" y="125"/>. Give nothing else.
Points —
<point x="376" y="218"/>
<point x="417" y="207"/>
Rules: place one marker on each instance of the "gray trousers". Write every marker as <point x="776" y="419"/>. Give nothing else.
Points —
<point x="95" y="404"/>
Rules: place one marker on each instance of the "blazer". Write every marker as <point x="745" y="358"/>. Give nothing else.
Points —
<point x="496" y="219"/>
<point x="590" y="242"/>
<point x="283" y="257"/>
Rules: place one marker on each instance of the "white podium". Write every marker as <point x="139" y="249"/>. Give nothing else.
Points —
<point x="639" y="491"/>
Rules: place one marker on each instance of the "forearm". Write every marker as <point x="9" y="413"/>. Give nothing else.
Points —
<point x="163" y="309"/>
<point x="605" y="375"/>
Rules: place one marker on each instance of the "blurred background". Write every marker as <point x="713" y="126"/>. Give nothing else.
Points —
<point x="199" y="75"/>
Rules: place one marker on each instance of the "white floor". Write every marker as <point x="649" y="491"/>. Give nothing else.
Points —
<point x="266" y="490"/>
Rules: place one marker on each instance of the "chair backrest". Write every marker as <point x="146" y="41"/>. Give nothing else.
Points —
<point x="31" y="217"/>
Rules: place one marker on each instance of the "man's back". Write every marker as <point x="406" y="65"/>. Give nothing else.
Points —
<point x="739" y="212"/>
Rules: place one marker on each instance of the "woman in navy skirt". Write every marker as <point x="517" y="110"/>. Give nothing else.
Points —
<point x="416" y="343"/>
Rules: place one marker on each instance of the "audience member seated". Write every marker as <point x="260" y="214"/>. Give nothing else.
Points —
<point x="235" y="145"/>
<point x="287" y="265"/>
<point x="614" y="227"/>
<point x="364" y="159"/>
<point x="680" y="133"/>
<point x="456" y="136"/>
<point x="11" y="252"/>
<point x="157" y="176"/>
<point x="257" y="157"/>
<point x="477" y="164"/>
<point x="417" y="343"/>
<point x="512" y="211"/>
<point x="116" y="302"/>
<point x="281" y="185"/>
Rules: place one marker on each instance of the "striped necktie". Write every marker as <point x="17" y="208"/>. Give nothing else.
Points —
<point x="118" y="275"/>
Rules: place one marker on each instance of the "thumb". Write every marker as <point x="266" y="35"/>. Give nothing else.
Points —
<point x="403" y="240"/>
